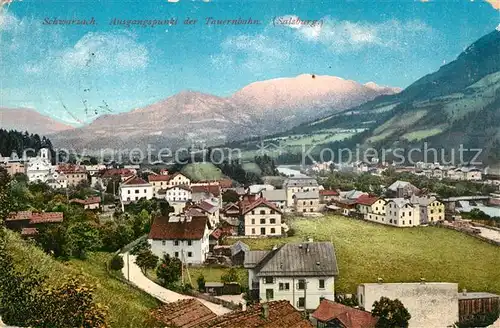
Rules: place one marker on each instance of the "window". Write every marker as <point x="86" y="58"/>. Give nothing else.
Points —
<point x="272" y="211"/>
<point x="304" y="202"/>
<point x="190" y="254"/>
<point x="322" y="284"/>
<point x="253" y="212"/>
<point x="128" y="192"/>
<point x="304" y="210"/>
<point x="410" y="221"/>
<point x="284" y="286"/>
<point x="301" y="303"/>
<point x="163" y="242"/>
<point x="145" y="191"/>
<point x="301" y="285"/>
<point x="177" y="254"/>
<point x="269" y="294"/>
<point x="137" y="191"/>
<point x="272" y="221"/>
<point x="403" y="222"/>
<point x="262" y="221"/>
<point x="269" y="280"/>
<point x="440" y="210"/>
<point x="253" y="221"/>
<point x="253" y="231"/>
<point x="311" y="202"/>
<point x="190" y="242"/>
<point x="176" y="243"/>
<point x="262" y="231"/>
<point x="273" y="230"/>
<point x="432" y="211"/>
<point x="262" y="212"/>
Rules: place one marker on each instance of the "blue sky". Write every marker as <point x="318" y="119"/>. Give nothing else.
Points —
<point x="52" y="69"/>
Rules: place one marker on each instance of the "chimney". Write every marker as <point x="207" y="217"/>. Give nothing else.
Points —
<point x="265" y="310"/>
<point x="464" y="291"/>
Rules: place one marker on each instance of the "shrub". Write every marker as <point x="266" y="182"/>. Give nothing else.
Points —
<point x="116" y="263"/>
<point x="201" y="283"/>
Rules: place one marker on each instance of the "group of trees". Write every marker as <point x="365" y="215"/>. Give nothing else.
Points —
<point x="20" y="141"/>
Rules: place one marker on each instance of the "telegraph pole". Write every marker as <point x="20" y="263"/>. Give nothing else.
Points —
<point x="128" y="267"/>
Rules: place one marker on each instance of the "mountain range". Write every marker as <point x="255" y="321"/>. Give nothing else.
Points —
<point x="188" y="117"/>
<point x="457" y="105"/>
<point x="24" y="119"/>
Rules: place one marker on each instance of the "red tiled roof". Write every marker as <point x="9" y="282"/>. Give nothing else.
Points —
<point x="230" y="206"/>
<point x="216" y="234"/>
<point x="206" y="207"/>
<point x="247" y="207"/>
<point x="162" y="229"/>
<point x="70" y="168"/>
<point x="188" y="313"/>
<point x="88" y="201"/>
<point x="348" y="316"/>
<point x="135" y="180"/>
<point x="193" y="212"/>
<point x="121" y="172"/>
<point x="281" y="315"/>
<point x="35" y="218"/>
<point x="366" y="200"/>
<point x="225" y="183"/>
<point x="29" y="232"/>
<point x="328" y="193"/>
<point x="212" y="189"/>
<point x="155" y="178"/>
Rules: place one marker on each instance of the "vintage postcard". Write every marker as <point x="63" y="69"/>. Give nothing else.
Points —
<point x="228" y="163"/>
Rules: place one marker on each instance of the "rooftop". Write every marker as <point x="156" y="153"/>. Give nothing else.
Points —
<point x="274" y="195"/>
<point x="186" y="229"/>
<point x="247" y="207"/>
<point x="300" y="182"/>
<point x="469" y="296"/>
<point x="281" y="314"/>
<point x="36" y="218"/>
<point x="300" y="259"/>
<point x="348" y="316"/>
<point x="187" y="313"/>
<point x="135" y="181"/>
<point x="366" y="200"/>
<point x="307" y="195"/>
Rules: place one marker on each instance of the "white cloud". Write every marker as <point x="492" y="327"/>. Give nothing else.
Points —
<point x="8" y="21"/>
<point x="105" y="52"/>
<point x="346" y="36"/>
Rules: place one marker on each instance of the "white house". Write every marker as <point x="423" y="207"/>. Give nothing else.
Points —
<point x="301" y="273"/>
<point x="39" y="168"/>
<point x="401" y="212"/>
<point x="431" y="304"/>
<point x="134" y="189"/>
<point x="185" y="236"/>
<point x="261" y="218"/>
<point x="180" y="193"/>
<point x="163" y="181"/>
<point x="277" y="197"/>
<point x="295" y="185"/>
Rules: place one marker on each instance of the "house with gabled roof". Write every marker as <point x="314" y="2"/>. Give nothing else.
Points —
<point x="135" y="188"/>
<point x="27" y="222"/>
<point x="210" y="209"/>
<point x="306" y="201"/>
<point x="260" y="218"/>
<point x="185" y="313"/>
<point x="300" y="273"/>
<point x="164" y="181"/>
<point x="90" y="203"/>
<point x="277" y="314"/>
<point x="185" y="236"/>
<point x="332" y="314"/>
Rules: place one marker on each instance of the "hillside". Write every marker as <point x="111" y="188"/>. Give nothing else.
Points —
<point x="127" y="306"/>
<point x="458" y="104"/>
<point x="191" y="117"/>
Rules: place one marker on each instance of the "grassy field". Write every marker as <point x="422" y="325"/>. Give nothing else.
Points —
<point x="214" y="274"/>
<point x="127" y="306"/>
<point x="366" y="251"/>
<point x="421" y="134"/>
<point x="202" y="171"/>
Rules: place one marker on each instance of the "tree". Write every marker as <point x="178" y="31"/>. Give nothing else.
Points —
<point x="391" y="313"/>
<point x="230" y="276"/>
<point x="169" y="270"/>
<point x="82" y="237"/>
<point x="146" y="260"/>
<point x="230" y="196"/>
<point x="116" y="263"/>
<point x="201" y="283"/>
<point x="5" y="194"/>
<point x="143" y="245"/>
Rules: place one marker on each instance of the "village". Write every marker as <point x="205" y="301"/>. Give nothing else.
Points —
<point x="212" y="226"/>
